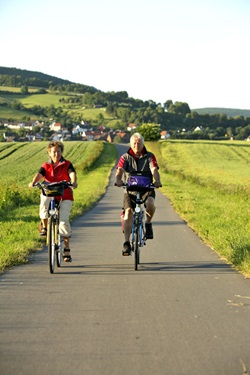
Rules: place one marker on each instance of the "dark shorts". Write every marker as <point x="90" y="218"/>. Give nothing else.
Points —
<point x="129" y="199"/>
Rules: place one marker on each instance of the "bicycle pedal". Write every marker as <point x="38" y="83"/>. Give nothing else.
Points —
<point x="125" y="254"/>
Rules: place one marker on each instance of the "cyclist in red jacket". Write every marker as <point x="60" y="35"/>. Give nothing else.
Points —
<point x="54" y="170"/>
<point x="137" y="159"/>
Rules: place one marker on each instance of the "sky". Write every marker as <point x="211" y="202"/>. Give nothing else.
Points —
<point x="193" y="51"/>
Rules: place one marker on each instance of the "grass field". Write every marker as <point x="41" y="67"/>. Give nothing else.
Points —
<point x="16" y="115"/>
<point x="206" y="182"/>
<point x="208" y="185"/>
<point x="223" y="166"/>
<point x="16" y="89"/>
<point x="46" y="100"/>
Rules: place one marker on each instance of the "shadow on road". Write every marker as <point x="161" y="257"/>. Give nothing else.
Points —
<point x="95" y="223"/>
<point x="181" y="268"/>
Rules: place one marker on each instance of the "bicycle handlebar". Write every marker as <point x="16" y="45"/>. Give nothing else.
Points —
<point x="63" y="183"/>
<point x="53" y="189"/>
<point x="125" y="185"/>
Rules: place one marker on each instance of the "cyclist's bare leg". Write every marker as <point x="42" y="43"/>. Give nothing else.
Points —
<point x="66" y="252"/>
<point x="150" y="209"/>
<point x="128" y="216"/>
<point x="66" y="242"/>
<point x="44" y="223"/>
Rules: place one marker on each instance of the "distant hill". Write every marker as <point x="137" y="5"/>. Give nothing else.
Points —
<point x="230" y="112"/>
<point x="29" y="74"/>
<point x="44" y="80"/>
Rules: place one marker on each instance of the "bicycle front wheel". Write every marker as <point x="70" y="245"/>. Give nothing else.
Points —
<point x="51" y="244"/>
<point x="58" y="247"/>
<point x="136" y="246"/>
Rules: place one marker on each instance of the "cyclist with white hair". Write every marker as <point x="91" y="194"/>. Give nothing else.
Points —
<point x="137" y="161"/>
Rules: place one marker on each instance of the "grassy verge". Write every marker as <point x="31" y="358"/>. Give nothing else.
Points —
<point x="215" y="208"/>
<point x="19" y="229"/>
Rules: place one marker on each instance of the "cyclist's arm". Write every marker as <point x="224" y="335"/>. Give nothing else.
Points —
<point x="73" y="179"/>
<point x="38" y="177"/>
<point x="156" y="176"/>
<point x="119" y="173"/>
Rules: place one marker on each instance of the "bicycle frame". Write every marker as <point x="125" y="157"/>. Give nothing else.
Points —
<point x="54" y="240"/>
<point x="138" y="237"/>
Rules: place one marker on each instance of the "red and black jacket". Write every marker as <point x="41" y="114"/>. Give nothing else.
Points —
<point x="143" y="164"/>
<point x="58" y="173"/>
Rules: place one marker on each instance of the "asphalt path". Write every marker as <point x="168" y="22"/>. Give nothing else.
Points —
<point x="185" y="311"/>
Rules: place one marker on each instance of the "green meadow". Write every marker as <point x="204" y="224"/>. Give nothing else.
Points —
<point x="13" y="94"/>
<point x="207" y="184"/>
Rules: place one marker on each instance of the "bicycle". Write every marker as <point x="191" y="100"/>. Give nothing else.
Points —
<point x="54" y="240"/>
<point x="138" y="233"/>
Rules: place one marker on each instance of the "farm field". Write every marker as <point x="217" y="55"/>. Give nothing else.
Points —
<point x="208" y="184"/>
<point x="225" y="166"/>
<point x="16" y="89"/>
<point x="46" y="100"/>
<point x="14" y="114"/>
<point x="30" y="100"/>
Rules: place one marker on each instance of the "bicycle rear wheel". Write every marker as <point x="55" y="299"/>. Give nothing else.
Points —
<point x="51" y="244"/>
<point x="136" y="246"/>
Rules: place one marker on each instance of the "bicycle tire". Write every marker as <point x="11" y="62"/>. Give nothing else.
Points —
<point x="58" y="247"/>
<point x="51" y="244"/>
<point x="136" y="245"/>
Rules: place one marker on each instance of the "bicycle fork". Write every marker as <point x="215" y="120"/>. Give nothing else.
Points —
<point x="54" y="212"/>
<point x="138" y="222"/>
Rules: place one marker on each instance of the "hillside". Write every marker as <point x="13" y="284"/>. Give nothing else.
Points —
<point x="15" y="77"/>
<point x="230" y="112"/>
<point x="29" y="74"/>
<point x="44" y="80"/>
<point x="29" y="96"/>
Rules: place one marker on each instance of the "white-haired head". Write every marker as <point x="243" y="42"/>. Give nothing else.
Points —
<point x="137" y="136"/>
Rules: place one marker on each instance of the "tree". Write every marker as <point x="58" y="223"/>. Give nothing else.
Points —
<point x="150" y="132"/>
<point x="179" y="108"/>
<point x="167" y="104"/>
<point x="244" y="132"/>
<point x="220" y="131"/>
<point x="24" y="89"/>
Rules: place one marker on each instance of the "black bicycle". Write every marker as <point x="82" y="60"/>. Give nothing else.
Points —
<point x="54" y="240"/>
<point x="138" y="233"/>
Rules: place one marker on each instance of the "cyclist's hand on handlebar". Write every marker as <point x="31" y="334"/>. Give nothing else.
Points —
<point x="157" y="184"/>
<point x="32" y="184"/>
<point x="119" y="183"/>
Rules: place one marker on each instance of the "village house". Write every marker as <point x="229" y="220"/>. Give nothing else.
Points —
<point x="22" y="125"/>
<point x="131" y="127"/>
<point x="55" y="126"/>
<point x="79" y="130"/>
<point x="165" y="134"/>
<point x="124" y="136"/>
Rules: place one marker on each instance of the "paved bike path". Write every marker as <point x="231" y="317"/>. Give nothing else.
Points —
<point x="184" y="311"/>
